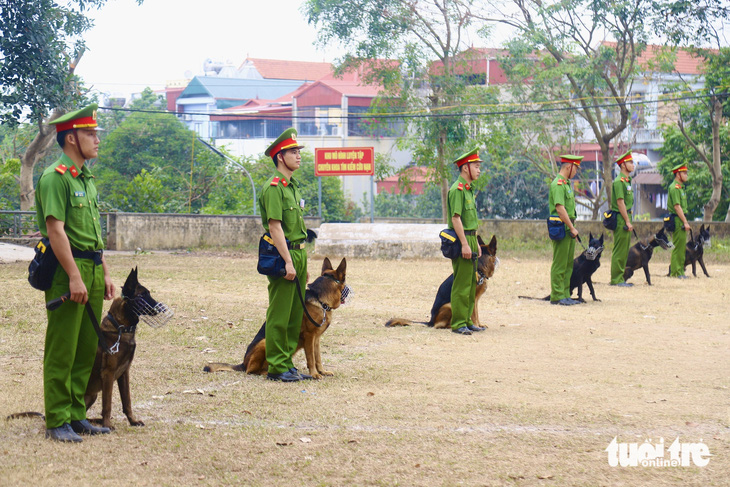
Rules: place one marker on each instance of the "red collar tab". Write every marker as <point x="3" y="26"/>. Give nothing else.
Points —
<point x="61" y="168"/>
<point x="284" y="182"/>
<point x="74" y="172"/>
<point x="468" y="186"/>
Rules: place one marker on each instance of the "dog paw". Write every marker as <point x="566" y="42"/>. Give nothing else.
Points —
<point x="136" y="423"/>
<point x="327" y="373"/>
<point x="316" y="375"/>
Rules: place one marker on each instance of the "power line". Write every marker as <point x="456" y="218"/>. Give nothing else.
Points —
<point x="666" y="98"/>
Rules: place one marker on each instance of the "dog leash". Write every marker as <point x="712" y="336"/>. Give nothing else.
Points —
<point x="304" y="305"/>
<point x="577" y="237"/>
<point x="56" y="303"/>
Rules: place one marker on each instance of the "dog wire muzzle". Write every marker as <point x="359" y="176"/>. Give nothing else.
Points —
<point x="155" y="316"/>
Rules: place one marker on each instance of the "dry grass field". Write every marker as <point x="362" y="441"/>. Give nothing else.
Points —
<point x="534" y="400"/>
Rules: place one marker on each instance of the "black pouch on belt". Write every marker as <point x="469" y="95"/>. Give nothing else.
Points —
<point x="43" y="266"/>
<point x="450" y="244"/>
<point x="271" y="263"/>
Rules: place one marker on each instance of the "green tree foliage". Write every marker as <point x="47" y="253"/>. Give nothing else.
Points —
<point x="154" y="156"/>
<point x="676" y="150"/>
<point x="9" y="187"/>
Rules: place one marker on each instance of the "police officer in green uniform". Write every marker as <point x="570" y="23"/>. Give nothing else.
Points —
<point x="562" y="204"/>
<point x="622" y="201"/>
<point x="67" y="213"/>
<point x="677" y="204"/>
<point x="463" y="220"/>
<point x="282" y="215"/>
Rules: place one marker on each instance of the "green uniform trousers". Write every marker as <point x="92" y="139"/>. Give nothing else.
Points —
<point x="621" y="244"/>
<point x="284" y="315"/>
<point x="464" y="288"/>
<point x="679" y="239"/>
<point x="562" y="267"/>
<point x="71" y="343"/>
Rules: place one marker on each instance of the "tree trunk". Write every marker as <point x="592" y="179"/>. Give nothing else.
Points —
<point x="444" y="181"/>
<point x="715" y="168"/>
<point x="607" y="174"/>
<point x="35" y="151"/>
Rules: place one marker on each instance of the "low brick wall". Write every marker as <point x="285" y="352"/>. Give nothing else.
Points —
<point x="159" y="231"/>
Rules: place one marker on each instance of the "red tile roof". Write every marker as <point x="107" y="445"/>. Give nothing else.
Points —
<point x="685" y="63"/>
<point x="278" y="69"/>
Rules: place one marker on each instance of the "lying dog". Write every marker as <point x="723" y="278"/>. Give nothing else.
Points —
<point x="585" y="265"/>
<point x="119" y="327"/>
<point x="696" y="249"/>
<point x="640" y="254"/>
<point x="324" y="295"/>
<point x="441" y="309"/>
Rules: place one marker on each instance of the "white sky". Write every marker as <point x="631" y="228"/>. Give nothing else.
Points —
<point x="131" y="47"/>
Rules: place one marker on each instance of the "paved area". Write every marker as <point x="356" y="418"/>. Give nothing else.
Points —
<point x="14" y="253"/>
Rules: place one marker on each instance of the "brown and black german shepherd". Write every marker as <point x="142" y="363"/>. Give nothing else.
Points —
<point x="118" y="327"/>
<point x="441" y="309"/>
<point x="323" y="296"/>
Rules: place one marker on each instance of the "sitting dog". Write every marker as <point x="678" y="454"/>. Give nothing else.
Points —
<point x="696" y="249"/>
<point x="585" y="265"/>
<point x="324" y="295"/>
<point x="119" y="327"/>
<point x="640" y="254"/>
<point x="441" y="309"/>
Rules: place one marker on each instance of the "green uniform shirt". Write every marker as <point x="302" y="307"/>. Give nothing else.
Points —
<point x="461" y="202"/>
<point x="280" y="200"/>
<point x="677" y="195"/>
<point x="561" y="193"/>
<point x="69" y="195"/>
<point x="621" y="189"/>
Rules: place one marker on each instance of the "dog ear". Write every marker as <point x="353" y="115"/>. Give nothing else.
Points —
<point x="590" y="236"/>
<point x="601" y="237"/>
<point x="130" y="284"/>
<point x="326" y="265"/>
<point x="493" y="246"/>
<point x="341" y="270"/>
<point x="481" y="242"/>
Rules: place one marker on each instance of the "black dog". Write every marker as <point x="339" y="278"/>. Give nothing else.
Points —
<point x="585" y="265"/>
<point x="583" y="268"/>
<point x="640" y="254"/>
<point x="695" y="250"/>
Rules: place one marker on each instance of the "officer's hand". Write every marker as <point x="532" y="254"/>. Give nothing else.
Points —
<point x="574" y="232"/>
<point x="686" y="227"/>
<point x="466" y="252"/>
<point x="629" y="227"/>
<point x="109" y="288"/>
<point x="479" y="250"/>
<point x="291" y="273"/>
<point x="78" y="291"/>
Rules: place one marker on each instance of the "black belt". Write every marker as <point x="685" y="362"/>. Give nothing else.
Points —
<point x="470" y="232"/>
<point x="94" y="255"/>
<point x="297" y="246"/>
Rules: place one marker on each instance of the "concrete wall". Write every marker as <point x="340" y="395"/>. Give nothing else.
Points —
<point x="156" y="231"/>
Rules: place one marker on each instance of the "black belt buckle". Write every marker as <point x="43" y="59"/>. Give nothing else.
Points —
<point x="470" y="232"/>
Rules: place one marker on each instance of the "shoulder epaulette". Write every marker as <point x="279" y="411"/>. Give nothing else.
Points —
<point x="61" y="169"/>
<point x="460" y="187"/>
<point x="275" y="181"/>
<point x="677" y="186"/>
<point x="560" y="182"/>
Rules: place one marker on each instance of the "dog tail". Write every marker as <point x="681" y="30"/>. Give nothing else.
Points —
<point x="546" y="298"/>
<point x="27" y="414"/>
<point x="220" y="367"/>
<point x="401" y="322"/>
